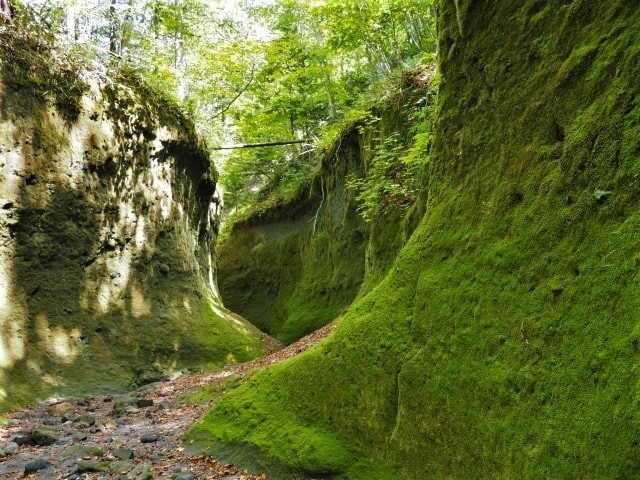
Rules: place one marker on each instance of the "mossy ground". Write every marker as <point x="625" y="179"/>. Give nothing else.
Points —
<point x="504" y="341"/>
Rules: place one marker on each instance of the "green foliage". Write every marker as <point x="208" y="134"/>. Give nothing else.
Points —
<point x="394" y="163"/>
<point x="30" y="60"/>
<point x="321" y="58"/>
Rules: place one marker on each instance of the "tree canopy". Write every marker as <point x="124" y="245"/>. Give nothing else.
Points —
<point x="253" y="71"/>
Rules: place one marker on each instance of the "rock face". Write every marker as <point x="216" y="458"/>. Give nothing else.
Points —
<point x="504" y="341"/>
<point x="108" y="221"/>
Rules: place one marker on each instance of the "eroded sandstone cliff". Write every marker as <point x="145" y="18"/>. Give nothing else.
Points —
<point x="108" y="222"/>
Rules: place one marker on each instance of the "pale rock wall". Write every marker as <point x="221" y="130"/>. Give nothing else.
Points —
<point x="107" y="231"/>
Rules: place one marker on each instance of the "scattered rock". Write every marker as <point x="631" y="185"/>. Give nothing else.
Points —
<point x="121" y="404"/>
<point x="164" y="405"/>
<point x="183" y="475"/>
<point x="123" y="453"/>
<point x="85" y="420"/>
<point x="79" y="436"/>
<point x="164" y="269"/>
<point x="91" y="466"/>
<point x="9" y="448"/>
<point x="132" y="410"/>
<point x="109" y="425"/>
<point x="70" y="416"/>
<point x="49" y="420"/>
<point x="79" y="451"/>
<point x="143" y="472"/>
<point x="23" y="438"/>
<point x="44" y="436"/>
<point x="59" y="409"/>
<point x="121" y="467"/>
<point x="36" y="464"/>
<point x="149" y="437"/>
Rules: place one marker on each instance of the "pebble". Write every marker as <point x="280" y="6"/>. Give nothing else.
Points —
<point x="183" y="475"/>
<point x="144" y="402"/>
<point x="85" y="420"/>
<point x="123" y="453"/>
<point x="149" y="437"/>
<point x="118" y="444"/>
<point x="59" y="409"/>
<point x="70" y="416"/>
<point x="38" y="463"/>
<point x="10" y="448"/>
<point x="89" y="466"/>
<point x="43" y="436"/>
<point x="122" y="403"/>
<point x="48" y="420"/>
<point x="23" y="439"/>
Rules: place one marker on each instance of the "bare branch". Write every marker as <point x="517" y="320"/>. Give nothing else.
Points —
<point x="257" y="145"/>
<point x="238" y="95"/>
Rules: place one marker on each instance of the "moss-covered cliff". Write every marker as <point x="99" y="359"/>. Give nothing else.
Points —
<point x="108" y="221"/>
<point x="294" y="264"/>
<point x="504" y="341"/>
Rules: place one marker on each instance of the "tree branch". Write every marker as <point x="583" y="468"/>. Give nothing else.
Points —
<point x="257" y="145"/>
<point x="233" y="100"/>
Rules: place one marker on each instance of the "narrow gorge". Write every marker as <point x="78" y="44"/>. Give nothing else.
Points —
<point x="463" y="253"/>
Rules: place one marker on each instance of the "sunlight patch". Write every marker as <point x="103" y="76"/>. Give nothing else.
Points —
<point x="61" y="343"/>
<point x="139" y="305"/>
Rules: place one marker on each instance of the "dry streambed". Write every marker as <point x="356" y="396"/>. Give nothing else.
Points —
<point x="134" y="436"/>
<point x="129" y="437"/>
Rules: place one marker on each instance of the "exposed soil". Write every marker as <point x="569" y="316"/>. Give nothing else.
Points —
<point x="147" y="425"/>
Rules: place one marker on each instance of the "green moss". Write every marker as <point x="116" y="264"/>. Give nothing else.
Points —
<point x="310" y="449"/>
<point x="503" y="342"/>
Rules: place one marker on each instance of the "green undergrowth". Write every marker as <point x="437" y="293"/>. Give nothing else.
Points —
<point x="34" y="69"/>
<point x="504" y="341"/>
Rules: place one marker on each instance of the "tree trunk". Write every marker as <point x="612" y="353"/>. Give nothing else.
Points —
<point x="5" y="10"/>
<point x="113" y="28"/>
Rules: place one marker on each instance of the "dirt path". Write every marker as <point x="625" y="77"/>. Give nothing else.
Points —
<point x="133" y="436"/>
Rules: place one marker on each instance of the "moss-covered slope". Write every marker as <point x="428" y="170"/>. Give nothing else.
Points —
<point x="108" y="223"/>
<point x="294" y="264"/>
<point x="505" y="342"/>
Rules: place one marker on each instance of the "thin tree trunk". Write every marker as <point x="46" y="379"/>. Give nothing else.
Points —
<point x="5" y="10"/>
<point x="113" y="28"/>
